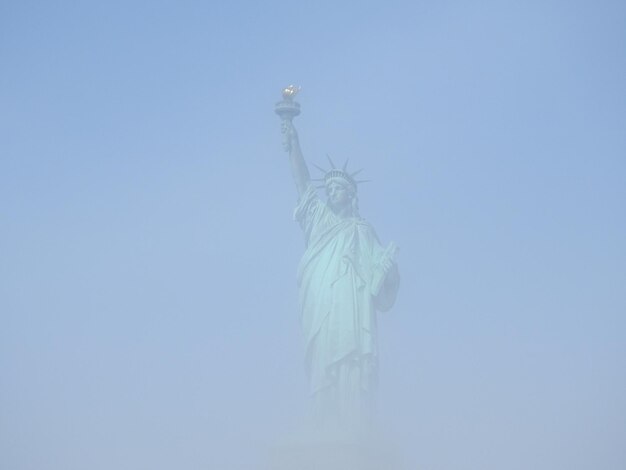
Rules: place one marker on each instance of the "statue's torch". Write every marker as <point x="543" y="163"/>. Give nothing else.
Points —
<point x="287" y="109"/>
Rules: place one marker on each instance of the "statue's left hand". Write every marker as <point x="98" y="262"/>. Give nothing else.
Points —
<point x="386" y="263"/>
<point x="385" y="280"/>
<point x="387" y="260"/>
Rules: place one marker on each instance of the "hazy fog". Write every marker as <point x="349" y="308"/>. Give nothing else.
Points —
<point x="148" y="303"/>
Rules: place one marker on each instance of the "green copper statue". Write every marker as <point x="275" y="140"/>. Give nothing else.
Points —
<point x="344" y="278"/>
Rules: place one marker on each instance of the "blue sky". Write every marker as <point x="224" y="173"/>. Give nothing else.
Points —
<point x="147" y="284"/>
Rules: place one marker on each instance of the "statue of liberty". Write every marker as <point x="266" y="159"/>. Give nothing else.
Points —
<point x="345" y="277"/>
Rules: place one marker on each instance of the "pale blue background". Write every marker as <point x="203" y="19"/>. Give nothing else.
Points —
<point x="147" y="254"/>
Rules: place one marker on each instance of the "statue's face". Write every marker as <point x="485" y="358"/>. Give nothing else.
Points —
<point x="339" y="195"/>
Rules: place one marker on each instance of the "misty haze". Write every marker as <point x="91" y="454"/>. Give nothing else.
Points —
<point x="160" y="308"/>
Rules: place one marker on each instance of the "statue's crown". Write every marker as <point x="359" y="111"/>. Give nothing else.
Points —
<point x="342" y="173"/>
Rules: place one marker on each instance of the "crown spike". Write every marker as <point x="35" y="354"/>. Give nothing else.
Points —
<point x="320" y="168"/>
<point x="345" y="165"/>
<point x="362" y="181"/>
<point x="331" y="162"/>
<point x="356" y="173"/>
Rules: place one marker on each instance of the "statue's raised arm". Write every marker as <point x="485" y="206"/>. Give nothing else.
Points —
<point x="287" y="109"/>
<point x="299" y="169"/>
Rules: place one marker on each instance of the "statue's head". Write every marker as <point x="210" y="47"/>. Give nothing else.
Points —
<point x="340" y="192"/>
<point x="341" y="189"/>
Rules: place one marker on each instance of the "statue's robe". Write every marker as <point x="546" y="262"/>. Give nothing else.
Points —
<point x="340" y="289"/>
